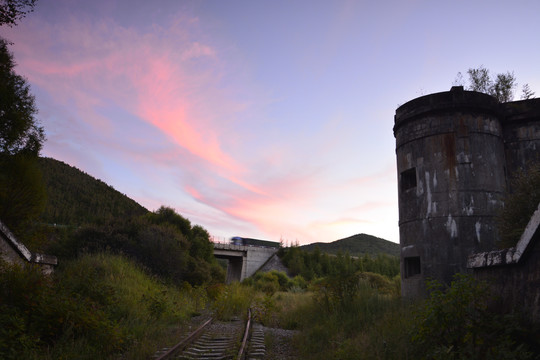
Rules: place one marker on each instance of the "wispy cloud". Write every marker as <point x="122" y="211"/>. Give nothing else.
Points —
<point x="95" y="63"/>
<point x="149" y="107"/>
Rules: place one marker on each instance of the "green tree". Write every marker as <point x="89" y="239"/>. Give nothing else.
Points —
<point x="22" y="194"/>
<point x="167" y="215"/>
<point x="519" y="205"/>
<point x="11" y="11"/>
<point x="479" y="80"/>
<point x="526" y="92"/>
<point x="458" y="322"/>
<point x="201" y="247"/>
<point x="502" y="86"/>
<point x="20" y="131"/>
<point x="155" y="241"/>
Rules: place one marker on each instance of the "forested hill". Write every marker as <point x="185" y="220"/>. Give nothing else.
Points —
<point x="357" y="245"/>
<point x="75" y="198"/>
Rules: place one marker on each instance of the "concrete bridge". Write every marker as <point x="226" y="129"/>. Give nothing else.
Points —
<point x="244" y="261"/>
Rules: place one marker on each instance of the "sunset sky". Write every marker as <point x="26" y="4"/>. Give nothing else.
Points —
<point x="265" y="119"/>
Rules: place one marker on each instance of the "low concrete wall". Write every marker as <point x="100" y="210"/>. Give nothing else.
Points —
<point x="514" y="273"/>
<point x="14" y="252"/>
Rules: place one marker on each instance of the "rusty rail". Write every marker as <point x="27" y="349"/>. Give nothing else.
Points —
<point x="241" y="352"/>
<point x="184" y="343"/>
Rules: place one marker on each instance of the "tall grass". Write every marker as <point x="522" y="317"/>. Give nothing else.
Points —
<point x="340" y="331"/>
<point x="335" y="314"/>
<point x="367" y="322"/>
<point x="233" y="301"/>
<point x="97" y="306"/>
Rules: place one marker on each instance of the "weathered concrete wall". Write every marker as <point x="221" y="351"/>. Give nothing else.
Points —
<point x="456" y="152"/>
<point x="244" y="261"/>
<point x="256" y="258"/>
<point x="450" y="161"/>
<point x="521" y="127"/>
<point x="274" y="263"/>
<point x="236" y="257"/>
<point x="235" y="267"/>
<point x="14" y="252"/>
<point x="8" y="253"/>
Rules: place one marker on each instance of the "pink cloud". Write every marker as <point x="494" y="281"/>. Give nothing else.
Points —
<point x="197" y="50"/>
<point x="91" y="63"/>
<point x="169" y="80"/>
<point x="193" y="192"/>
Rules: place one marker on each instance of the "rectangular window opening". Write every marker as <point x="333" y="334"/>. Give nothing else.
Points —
<point x="408" y="179"/>
<point x="412" y="266"/>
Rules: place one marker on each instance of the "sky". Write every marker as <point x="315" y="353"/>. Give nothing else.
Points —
<point x="263" y="119"/>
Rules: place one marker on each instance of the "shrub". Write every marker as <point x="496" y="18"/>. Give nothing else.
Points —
<point x="233" y="301"/>
<point x="22" y="192"/>
<point x="153" y="242"/>
<point x="271" y="281"/>
<point x="456" y="323"/>
<point x="39" y="311"/>
<point x="97" y="305"/>
<point x="267" y="282"/>
<point x="20" y="296"/>
<point x="263" y="309"/>
<point x="519" y="205"/>
<point x="298" y="283"/>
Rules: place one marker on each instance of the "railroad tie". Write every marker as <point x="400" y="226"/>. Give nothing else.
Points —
<point x="257" y="349"/>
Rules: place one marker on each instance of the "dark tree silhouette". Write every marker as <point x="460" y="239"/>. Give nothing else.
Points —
<point x="11" y="11"/>
<point x="501" y="86"/>
<point x="22" y="194"/>
<point x="20" y="131"/>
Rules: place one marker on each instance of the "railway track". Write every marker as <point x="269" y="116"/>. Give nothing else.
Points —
<point x="219" y="340"/>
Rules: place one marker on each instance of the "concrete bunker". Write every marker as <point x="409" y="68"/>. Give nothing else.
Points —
<point x="455" y="152"/>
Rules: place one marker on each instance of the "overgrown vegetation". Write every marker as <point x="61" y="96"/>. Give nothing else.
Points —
<point x="125" y="282"/>
<point x="232" y="301"/>
<point x="128" y="277"/>
<point x="118" y="288"/>
<point x="316" y="264"/>
<point x="93" y="307"/>
<point x="519" y="205"/>
<point x="351" y="317"/>
<point x="75" y="198"/>
<point x="22" y="193"/>
<point x="356" y="245"/>
<point x="163" y="242"/>
<point x="22" y="196"/>
<point x="462" y="322"/>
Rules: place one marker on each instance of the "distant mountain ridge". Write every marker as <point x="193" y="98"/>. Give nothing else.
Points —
<point x="357" y="245"/>
<point x="75" y="198"/>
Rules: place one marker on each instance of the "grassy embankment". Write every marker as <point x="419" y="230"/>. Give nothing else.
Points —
<point x="95" y="306"/>
<point x="103" y="305"/>
<point x="372" y="322"/>
<point x="351" y="313"/>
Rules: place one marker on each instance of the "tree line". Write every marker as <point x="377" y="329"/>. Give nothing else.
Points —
<point x="316" y="264"/>
<point x="501" y="86"/>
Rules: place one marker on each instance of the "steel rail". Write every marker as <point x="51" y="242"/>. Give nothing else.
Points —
<point x="184" y="343"/>
<point x="246" y="335"/>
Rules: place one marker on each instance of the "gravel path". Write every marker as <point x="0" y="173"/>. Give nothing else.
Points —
<point x="279" y="345"/>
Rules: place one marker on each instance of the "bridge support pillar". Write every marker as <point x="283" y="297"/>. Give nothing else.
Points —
<point x="243" y="261"/>
<point x="235" y="269"/>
